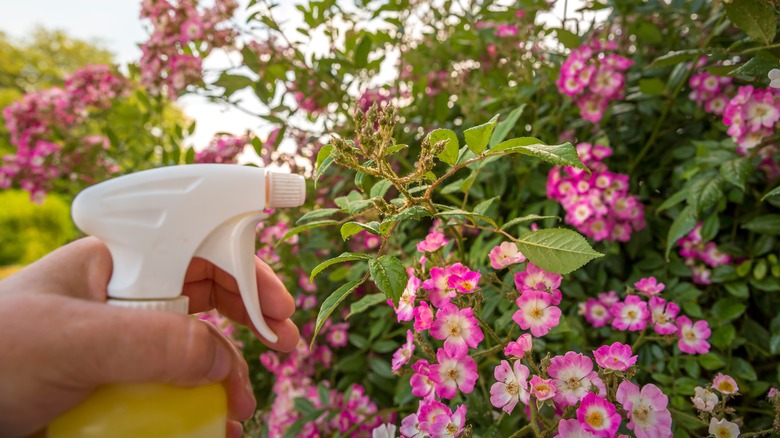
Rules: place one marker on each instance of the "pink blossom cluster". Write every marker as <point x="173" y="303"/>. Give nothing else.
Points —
<point x="701" y="256"/>
<point x="43" y="123"/>
<point x="222" y="149"/>
<point x="269" y="236"/>
<point x="751" y="116"/>
<point x="294" y="378"/>
<point x="593" y="76"/>
<point x="570" y="380"/>
<point x="635" y="314"/>
<point x="182" y="35"/>
<point x="707" y="402"/>
<point x="597" y="203"/>
<point x="710" y="91"/>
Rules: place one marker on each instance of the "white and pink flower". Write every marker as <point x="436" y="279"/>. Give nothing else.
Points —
<point x="504" y="255"/>
<point x="598" y="416"/>
<point x="402" y="355"/>
<point x="646" y="410"/>
<point x="453" y="373"/>
<point x="693" y="336"/>
<point x="536" y="312"/>
<point x="512" y="386"/>
<point x="574" y="377"/>
<point x="615" y="357"/>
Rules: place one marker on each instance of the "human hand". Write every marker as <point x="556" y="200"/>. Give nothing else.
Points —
<point x="60" y="341"/>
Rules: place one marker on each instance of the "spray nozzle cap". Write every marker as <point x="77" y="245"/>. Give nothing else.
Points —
<point x="284" y="190"/>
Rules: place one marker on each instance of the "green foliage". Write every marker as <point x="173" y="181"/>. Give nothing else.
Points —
<point x="28" y="231"/>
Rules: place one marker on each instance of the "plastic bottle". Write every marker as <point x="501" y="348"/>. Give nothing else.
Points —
<point x="153" y="223"/>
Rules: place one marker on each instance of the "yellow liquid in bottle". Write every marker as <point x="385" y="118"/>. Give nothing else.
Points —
<point x="151" y="410"/>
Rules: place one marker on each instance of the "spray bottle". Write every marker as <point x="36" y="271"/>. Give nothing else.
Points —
<point x="153" y="223"/>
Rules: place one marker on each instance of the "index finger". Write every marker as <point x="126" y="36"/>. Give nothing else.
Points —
<point x="210" y="287"/>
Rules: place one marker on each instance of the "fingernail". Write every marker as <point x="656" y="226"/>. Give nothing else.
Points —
<point x="220" y="368"/>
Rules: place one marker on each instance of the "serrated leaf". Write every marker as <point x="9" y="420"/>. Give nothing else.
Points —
<point x="766" y="224"/>
<point x="681" y="226"/>
<point x="755" y="17"/>
<point x="704" y="192"/>
<point x="305" y="227"/>
<point x="389" y="275"/>
<point x="351" y="228"/>
<point x="528" y="218"/>
<point x="450" y="153"/>
<point x="505" y="126"/>
<point x="557" y="250"/>
<point x="560" y="154"/>
<point x="344" y="257"/>
<point x="330" y="304"/>
<point x="736" y="171"/>
<point x="477" y="137"/>
<point x="317" y="214"/>
<point x="365" y="303"/>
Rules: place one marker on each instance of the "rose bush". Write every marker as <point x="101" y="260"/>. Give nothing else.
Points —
<point x="516" y="225"/>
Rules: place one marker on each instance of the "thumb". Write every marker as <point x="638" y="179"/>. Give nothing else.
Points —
<point x="105" y="344"/>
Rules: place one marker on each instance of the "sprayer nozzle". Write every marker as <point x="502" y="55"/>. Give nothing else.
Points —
<point x="284" y="190"/>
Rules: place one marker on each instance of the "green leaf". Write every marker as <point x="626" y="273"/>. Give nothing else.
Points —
<point x="767" y="224"/>
<point x="467" y="214"/>
<point x="344" y="257"/>
<point x="330" y="304"/>
<point x="755" y="17"/>
<point x="450" y="153"/>
<point x="232" y="83"/>
<point x="711" y="361"/>
<point x="569" y="39"/>
<point x="681" y="226"/>
<point x="365" y="303"/>
<point x="324" y="160"/>
<point x="742" y="368"/>
<point x="704" y="192"/>
<point x="304" y="406"/>
<point x="301" y="228"/>
<point x="728" y="309"/>
<point x="380" y="188"/>
<point x="652" y="86"/>
<point x="317" y="214"/>
<point x="561" y="154"/>
<point x="505" y="126"/>
<point x="774" y="192"/>
<point x="389" y="275"/>
<point x="676" y="57"/>
<point x="736" y="171"/>
<point x="673" y="200"/>
<point x="414" y="212"/>
<point x="528" y="218"/>
<point x="361" y="52"/>
<point x="758" y="66"/>
<point x="557" y="250"/>
<point x="351" y="228"/>
<point x="477" y="138"/>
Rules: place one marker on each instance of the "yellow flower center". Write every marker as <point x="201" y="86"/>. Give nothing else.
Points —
<point x="512" y="388"/>
<point x="595" y="419"/>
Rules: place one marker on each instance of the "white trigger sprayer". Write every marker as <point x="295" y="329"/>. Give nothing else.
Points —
<point x="154" y="222"/>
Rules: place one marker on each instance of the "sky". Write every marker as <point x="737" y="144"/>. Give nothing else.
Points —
<point x="116" y="25"/>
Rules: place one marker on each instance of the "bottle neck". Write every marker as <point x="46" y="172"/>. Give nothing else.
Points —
<point x="179" y="304"/>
